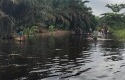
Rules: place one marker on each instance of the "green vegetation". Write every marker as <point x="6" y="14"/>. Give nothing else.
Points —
<point x="55" y="14"/>
<point x="64" y="14"/>
<point x="115" y="20"/>
<point x="51" y="28"/>
<point x="119" y="33"/>
<point x="30" y="30"/>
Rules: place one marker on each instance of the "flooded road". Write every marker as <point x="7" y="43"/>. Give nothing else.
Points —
<point x="69" y="57"/>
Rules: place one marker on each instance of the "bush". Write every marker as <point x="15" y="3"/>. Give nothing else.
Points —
<point x="51" y="28"/>
<point x="119" y="33"/>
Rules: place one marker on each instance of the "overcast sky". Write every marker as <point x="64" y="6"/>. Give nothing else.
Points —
<point x="98" y="6"/>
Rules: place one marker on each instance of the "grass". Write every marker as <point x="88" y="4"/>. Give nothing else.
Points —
<point x="119" y="33"/>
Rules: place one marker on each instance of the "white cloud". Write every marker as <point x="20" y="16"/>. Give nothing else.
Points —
<point x="98" y="6"/>
<point x="110" y="1"/>
<point x="97" y="12"/>
<point x="115" y="1"/>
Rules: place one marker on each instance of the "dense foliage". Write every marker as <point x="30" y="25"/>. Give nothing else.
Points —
<point x="63" y="14"/>
<point x="114" y="19"/>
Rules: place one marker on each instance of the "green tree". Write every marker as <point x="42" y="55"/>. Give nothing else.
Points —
<point x="116" y="7"/>
<point x="68" y="14"/>
<point x="115" y="18"/>
<point x="74" y="13"/>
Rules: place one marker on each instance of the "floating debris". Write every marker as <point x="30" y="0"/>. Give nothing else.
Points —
<point x="58" y="49"/>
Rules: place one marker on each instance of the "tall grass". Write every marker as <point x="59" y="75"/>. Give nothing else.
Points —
<point x="119" y="33"/>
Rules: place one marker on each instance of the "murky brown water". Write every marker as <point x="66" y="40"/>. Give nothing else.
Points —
<point x="69" y="57"/>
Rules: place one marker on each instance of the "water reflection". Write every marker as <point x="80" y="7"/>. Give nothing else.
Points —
<point x="68" y="57"/>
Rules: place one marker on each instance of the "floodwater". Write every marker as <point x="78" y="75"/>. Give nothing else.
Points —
<point x="68" y="57"/>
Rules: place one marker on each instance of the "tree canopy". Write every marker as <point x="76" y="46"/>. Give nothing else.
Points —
<point x="65" y="14"/>
<point x="114" y="18"/>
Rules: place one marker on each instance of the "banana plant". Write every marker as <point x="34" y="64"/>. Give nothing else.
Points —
<point x="31" y="30"/>
<point x="51" y="28"/>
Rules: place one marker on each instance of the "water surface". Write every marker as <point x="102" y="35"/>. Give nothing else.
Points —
<point x="69" y="57"/>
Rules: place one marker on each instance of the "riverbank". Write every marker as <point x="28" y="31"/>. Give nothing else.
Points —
<point x="56" y="33"/>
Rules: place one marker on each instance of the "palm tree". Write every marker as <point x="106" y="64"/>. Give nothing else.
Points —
<point x="115" y="7"/>
<point x="115" y="18"/>
<point x="70" y="13"/>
